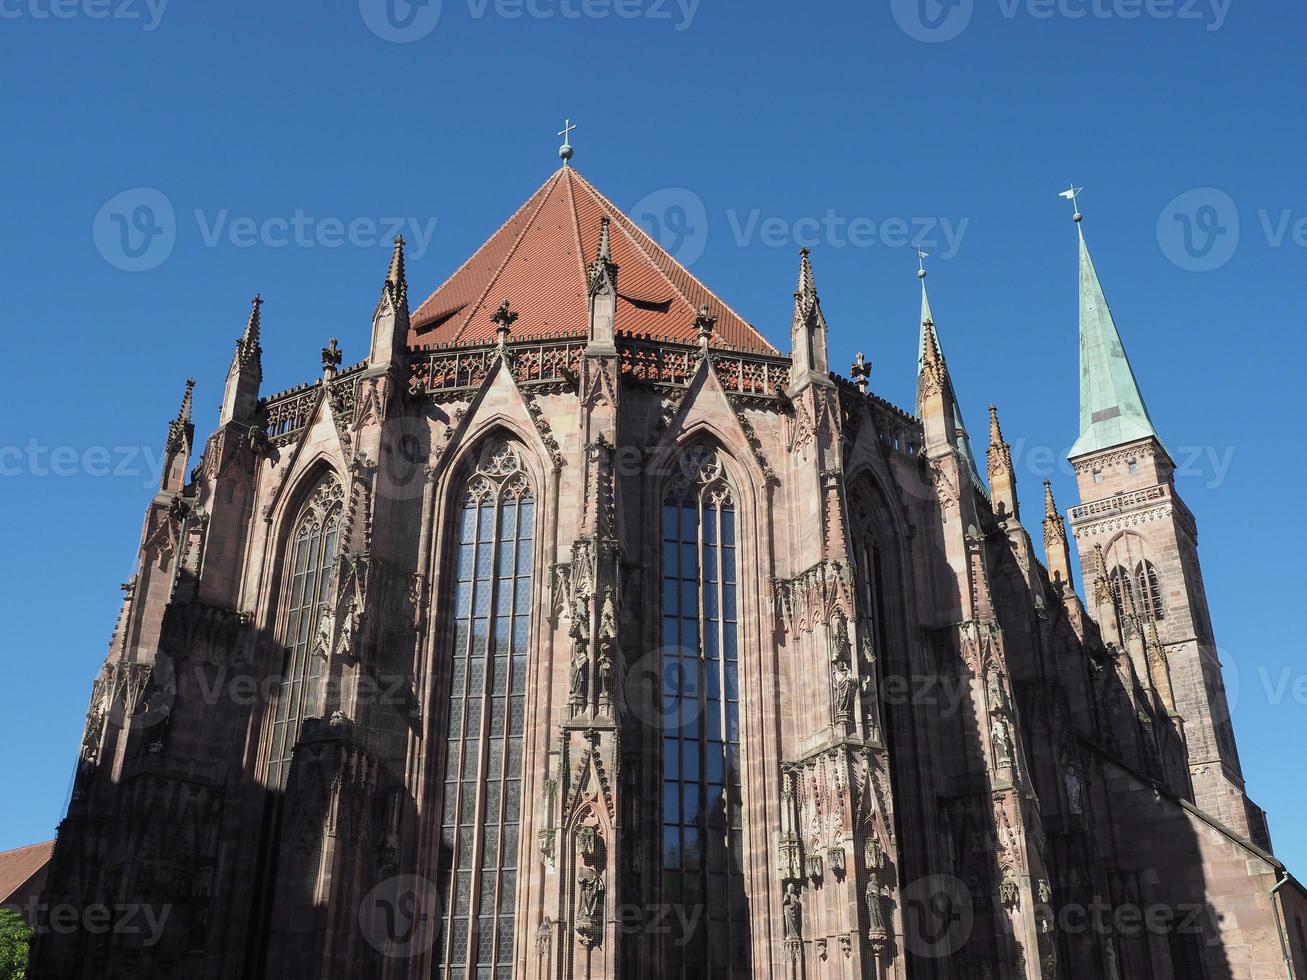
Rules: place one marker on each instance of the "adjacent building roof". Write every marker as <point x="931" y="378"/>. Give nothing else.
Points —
<point x="538" y="260"/>
<point x="1112" y="410"/>
<point x="18" y="868"/>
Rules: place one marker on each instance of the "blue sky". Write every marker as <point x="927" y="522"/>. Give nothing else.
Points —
<point x="283" y="139"/>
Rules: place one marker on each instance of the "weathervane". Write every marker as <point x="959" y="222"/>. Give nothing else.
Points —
<point x="565" y="151"/>
<point x="1073" y="195"/>
<point x="922" y="256"/>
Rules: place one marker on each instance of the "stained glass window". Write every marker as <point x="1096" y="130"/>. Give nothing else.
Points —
<point x="702" y="846"/>
<point x="482" y="805"/>
<point x="310" y="554"/>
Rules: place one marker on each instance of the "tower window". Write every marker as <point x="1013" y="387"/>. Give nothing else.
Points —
<point x="703" y="846"/>
<point x="1123" y="593"/>
<point x="486" y="718"/>
<point x="1133" y="466"/>
<point x="1150" y="592"/>
<point x="1098" y="476"/>
<point x="310" y="556"/>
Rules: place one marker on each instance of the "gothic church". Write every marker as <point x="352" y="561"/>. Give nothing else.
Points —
<point x="576" y="631"/>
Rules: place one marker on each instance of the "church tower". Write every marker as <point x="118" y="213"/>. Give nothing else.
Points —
<point x="1148" y="588"/>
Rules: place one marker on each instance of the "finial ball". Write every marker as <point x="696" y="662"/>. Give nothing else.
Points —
<point x="566" y="152"/>
<point x="1078" y="217"/>
<point x="921" y="273"/>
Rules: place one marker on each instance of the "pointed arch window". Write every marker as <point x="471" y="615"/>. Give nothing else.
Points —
<point x="1150" y="591"/>
<point x="1123" y="593"/>
<point x="482" y="805"/>
<point x="703" y="847"/>
<point x="310" y="557"/>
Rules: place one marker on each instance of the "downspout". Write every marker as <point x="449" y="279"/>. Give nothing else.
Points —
<point x="1279" y="923"/>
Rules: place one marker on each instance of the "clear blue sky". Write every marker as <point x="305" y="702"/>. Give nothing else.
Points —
<point x="767" y="115"/>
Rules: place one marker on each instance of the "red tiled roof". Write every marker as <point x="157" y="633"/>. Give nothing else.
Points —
<point x="18" y="866"/>
<point x="538" y="260"/>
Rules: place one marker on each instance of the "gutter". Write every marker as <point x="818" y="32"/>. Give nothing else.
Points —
<point x="1279" y="922"/>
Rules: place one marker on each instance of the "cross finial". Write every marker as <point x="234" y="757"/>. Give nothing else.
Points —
<point x="504" y="317"/>
<point x="922" y="256"/>
<point x="1072" y="194"/>
<point x="861" y="371"/>
<point x="565" y="151"/>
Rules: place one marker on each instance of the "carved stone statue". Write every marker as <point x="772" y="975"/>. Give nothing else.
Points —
<point x="580" y="668"/>
<point x="875" y="910"/>
<point x="1074" y="791"/>
<point x="590" y="908"/>
<point x="792" y="908"/>
<point x="994" y="690"/>
<point x="544" y="937"/>
<point x="842" y="685"/>
<point x="1002" y="742"/>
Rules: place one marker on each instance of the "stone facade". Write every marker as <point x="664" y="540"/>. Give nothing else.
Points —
<point x="469" y="747"/>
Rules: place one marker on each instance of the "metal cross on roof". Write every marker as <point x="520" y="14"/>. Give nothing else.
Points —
<point x="565" y="151"/>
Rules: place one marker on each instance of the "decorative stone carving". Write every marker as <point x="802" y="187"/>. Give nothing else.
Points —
<point x="590" y="908"/>
<point x="792" y="911"/>
<point x="1002" y="742"/>
<point x="544" y="937"/>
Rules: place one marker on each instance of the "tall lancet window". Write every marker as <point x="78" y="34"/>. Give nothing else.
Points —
<point x="703" y="850"/>
<point x="1123" y="593"/>
<point x="310" y="554"/>
<point x="1150" y="591"/>
<point x="482" y="806"/>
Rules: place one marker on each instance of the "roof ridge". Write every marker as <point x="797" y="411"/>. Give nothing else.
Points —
<point x="525" y="206"/>
<point x="547" y="190"/>
<point x="576" y="230"/>
<point x="641" y="239"/>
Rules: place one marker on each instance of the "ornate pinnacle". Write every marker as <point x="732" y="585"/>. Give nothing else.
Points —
<point x="179" y="429"/>
<point x="505" y="317"/>
<point x="184" y="413"/>
<point x="1050" y="506"/>
<point x="247" y="346"/>
<point x="396" y="280"/>
<point x="603" y="271"/>
<point x="704" y="323"/>
<point x="860" y="372"/>
<point x="331" y="357"/>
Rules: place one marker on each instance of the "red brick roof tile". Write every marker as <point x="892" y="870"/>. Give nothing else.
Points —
<point x="538" y="260"/>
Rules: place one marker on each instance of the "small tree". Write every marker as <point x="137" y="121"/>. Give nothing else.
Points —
<point x="15" y="937"/>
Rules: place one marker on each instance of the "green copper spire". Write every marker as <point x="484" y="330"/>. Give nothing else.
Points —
<point x="929" y="335"/>
<point x="1112" y="411"/>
